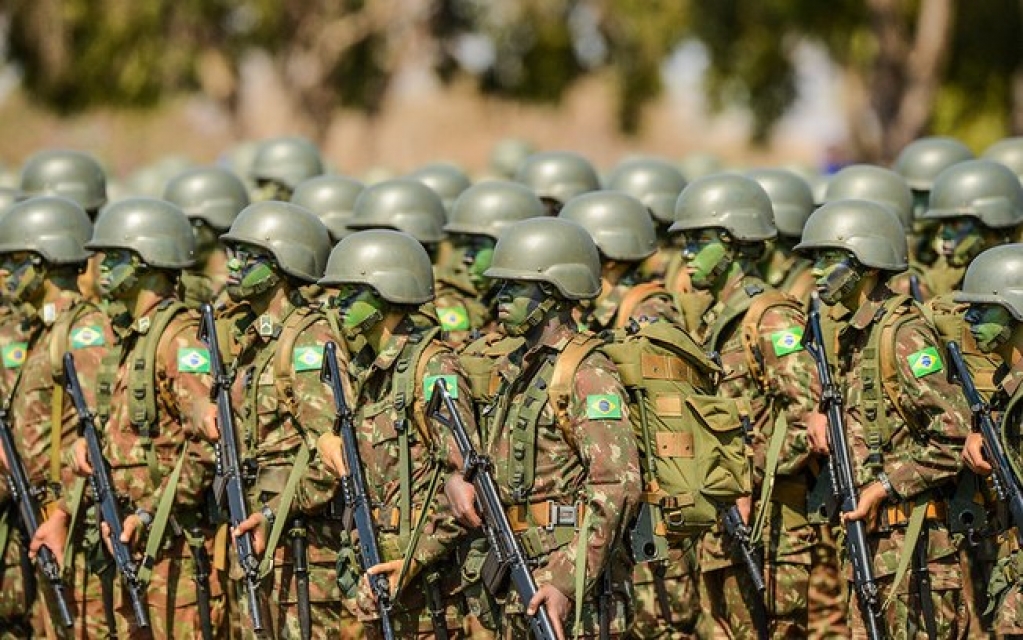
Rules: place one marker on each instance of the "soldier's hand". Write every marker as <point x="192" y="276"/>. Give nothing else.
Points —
<point x="745" y="507"/>
<point x="130" y="529"/>
<point x="973" y="454"/>
<point x="80" y="458"/>
<point x="3" y="460"/>
<point x="209" y="423"/>
<point x="52" y="533"/>
<point x="871" y="499"/>
<point x="390" y="569"/>
<point x="557" y="607"/>
<point x="329" y="447"/>
<point x="257" y="524"/>
<point x="817" y="433"/>
<point x="462" y="497"/>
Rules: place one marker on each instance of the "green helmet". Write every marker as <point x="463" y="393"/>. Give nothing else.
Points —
<point x="211" y="194"/>
<point x="726" y="201"/>
<point x="1009" y="152"/>
<point x="53" y="227"/>
<point x="995" y="277"/>
<point x="297" y="239"/>
<point x="394" y="263"/>
<point x="403" y="204"/>
<point x="508" y="155"/>
<point x="549" y="250"/>
<point x="877" y="184"/>
<point x="790" y="196"/>
<point x="980" y="189"/>
<point x="158" y="231"/>
<point x="922" y="160"/>
<point x="446" y="180"/>
<point x="71" y="174"/>
<point x="865" y="228"/>
<point x="332" y="198"/>
<point x="288" y="160"/>
<point x="618" y="223"/>
<point x="487" y="208"/>
<point x="654" y="182"/>
<point x="700" y="164"/>
<point x="558" y="175"/>
<point x="9" y="196"/>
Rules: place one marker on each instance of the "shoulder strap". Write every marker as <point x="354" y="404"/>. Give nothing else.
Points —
<point x="633" y="297"/>
<point x="60" y="339"/>
<point x="283" y="365"/>
<point x="751" y="330"/>
<point x="563" y="376"/>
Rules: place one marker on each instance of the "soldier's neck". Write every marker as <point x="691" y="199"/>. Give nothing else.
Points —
<point x="270" y="299"/>
<point x="613" y="272"/>
<point x="554" y="324"/>
<point x="152" y="287"/>
<point x="1012" y="350"/>
<point x="57" y="283"/>
<point x="382" y="331"/>
<point x="870" y="287"/>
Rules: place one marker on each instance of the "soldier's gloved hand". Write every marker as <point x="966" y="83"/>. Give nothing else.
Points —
<point x="817" y="433"/>
<point x="257" y="524"/>
<point x="328" y="446"/>
<point x="80" y="458"/>
<point x="557" y="605"/>
<point x="871" y="499"/>
<point x="973" y="455"/>
<point x="51" y="533"/>
<point x="462" y="497"/>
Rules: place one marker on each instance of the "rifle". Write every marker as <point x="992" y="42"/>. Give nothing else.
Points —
<point x="106" y="499"/>
<point x="479" y="470"/>
<point x="742" y="546"/>
<point x="841" y="472"/>
<point x="354" y="488"/>
<point x="1006" y="483"/>
<point x="914" y="288"/>
<point x="21" y="492"/>
<point x="229" y="468"/>
<point x="299" y="549"/>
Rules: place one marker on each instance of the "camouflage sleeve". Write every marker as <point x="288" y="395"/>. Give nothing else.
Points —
<point x="611" y="488"/>
<point x="793" y="389"/>
<point x="657" y="307"/>
<point x="934" y="406"/>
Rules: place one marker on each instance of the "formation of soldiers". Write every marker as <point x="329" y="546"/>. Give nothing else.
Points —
<point x="633" y="359"/>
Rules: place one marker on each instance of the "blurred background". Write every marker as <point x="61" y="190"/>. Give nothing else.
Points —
<point x="388" y="85"/>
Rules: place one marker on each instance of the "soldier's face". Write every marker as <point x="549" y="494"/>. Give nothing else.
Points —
<point x="960" y="240"/>
<point x="358" y="304"/>
<point x="477" y="254"/>
<point x="516" y="301"/>
<point x="991" y="325"/>
<point x="270" y="190"/>
<point x="708" y="255"/>
<point x="118" y="272"/>
<point x="206" y="238"/>
<point x="250" y="272"/>
<point x="22" y="273"/>
<point x="837" y="273"/>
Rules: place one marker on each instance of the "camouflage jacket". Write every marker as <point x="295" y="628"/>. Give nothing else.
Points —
<point x="605" y="312"/>
<point x="790" y="273"/>
<point x="461" y="310"/>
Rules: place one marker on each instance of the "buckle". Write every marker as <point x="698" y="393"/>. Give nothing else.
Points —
<point x="562" y="515"/>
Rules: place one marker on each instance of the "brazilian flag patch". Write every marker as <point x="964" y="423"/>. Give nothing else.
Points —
<point x="14" y="354"/>
<point x="787" y="341"/>
<point x="450" y="383"/>
<point x="193" y="360"/>
<point x="603" y="406"/>
<point x="925" y="362"/>
<point x="83" y="337"/>
<point x="453" y="318"/>
<point x="307" y="358"/>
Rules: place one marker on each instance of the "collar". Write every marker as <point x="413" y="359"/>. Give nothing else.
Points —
<point x="871" y="309"/>
<point x="604" y="308"/>
<point x="267" y="325"/>
<point x="1013" y="378"/>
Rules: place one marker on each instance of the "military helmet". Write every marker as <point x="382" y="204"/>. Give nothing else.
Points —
<point x="551" y="250"/>
<point x="1008" y="151"/>
<point x="618" y="223"/>
<point x="507" y="156"/>
<point x="726" y="201"/>
<point x="995" y="277"/>
<point x="487" y="208"/>
<point x="700" y="164"/>
<point x="53" y="227"/>
<point x="877" y="184"/>
<point x="865" y="228"/>
<point x="446" y="180"/>
<point x="211" y="194"/>
<point x="981" y="189"/>
<point x="287" y="160"/>
<point x="392" y="262"/>
<point x="403" y="204"/>
<point x="922" y="160"/>
<point x="559" y="175"/>
<point x="158" y="231"/>
<point x="297" y="239"/>
<point x="9" y="196"/>
<point x="654" y="182"/>
<point x="332" y="198"/>
<point x="71" y="174"/>
<point x="791" y="198"/>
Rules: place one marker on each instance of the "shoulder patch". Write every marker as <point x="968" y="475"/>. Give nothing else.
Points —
<point x="604" y="406"/>
<point x="193" y="360"/>
<point x="14" y="354"/>
<point x="787" y="341"/>
<point x="307" y="358"/>
<point x="453" y="318"/>
<point x="450" y="382"/>
<point x="925" y="362"/>
<point x="91" y="336"/>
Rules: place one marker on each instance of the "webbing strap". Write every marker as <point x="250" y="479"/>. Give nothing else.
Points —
<point x="75" y="506"/>
<point x="284" y="511"/>
<point x="580" y="570"/>
<point x="5" y="528"/>
<point x="633" y="297"/>
<point x="781" y="426"/>
<point x="160" y="519"/>
<point x="420" y="523"/>
<point x="913" y="532"/>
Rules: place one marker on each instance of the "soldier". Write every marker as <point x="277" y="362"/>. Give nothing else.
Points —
<point x="446" y="180"/>
<point x="380" y="277"/>
<point x="405" y="205"/>
<point x="211" y="197"/>
<point x="792" y="202"/>
<point x="727" y="221"/>
<point x="332" y="198"/>
<point x="280" y="164"/>
<point x="905" y="421"/>
<point x="464" y="298"/>
<point x="42" y="252"/>
<point x="280" y="410"/>
<point x="568" y="470"/>
<point x="557" y="176"/>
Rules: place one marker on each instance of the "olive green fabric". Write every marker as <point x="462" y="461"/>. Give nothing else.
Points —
<point x="287" y="160"/>
<point x="211" y="194"/>
<point x="62" y="172"/>
<point x="332" y="198"/>
<point x="487" y="208"/>
<point x="55" y="228"/>
<point x="726" y="201"/>
<point x="403" y="204"/>
<point x="654" y="182"/>
<point x="158" y="231"/>
<point x="791" y="199"/>
<point x="868" y="230"/>
<point x="394" y="263"/>
<point x="922" y="160"/>
<point x="559" y="175"/>
<point x="981" y="189"/>
<point x="876" y="184"/>
<point x="995" y="277"/>
<point x="618" y="223"/>
<point x="297" y="239"/>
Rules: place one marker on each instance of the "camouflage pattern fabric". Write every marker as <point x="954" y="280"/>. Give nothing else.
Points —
<point x="680" y="577"/>
<point x="943" y="277"/>
<point x="605" y="311"/>
<point x="828" y="591"/>
<point x="790" y="273"/>
<point x="461" y="310"/>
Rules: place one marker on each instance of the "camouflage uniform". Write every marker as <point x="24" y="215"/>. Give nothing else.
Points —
<point x="619" y="303"/>
<point x="790" y="273"/>
<point x="462" y="310"/>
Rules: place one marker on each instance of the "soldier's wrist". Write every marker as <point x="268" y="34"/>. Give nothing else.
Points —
<point x="145" y="518"/>
<point x="889" y="490"/>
